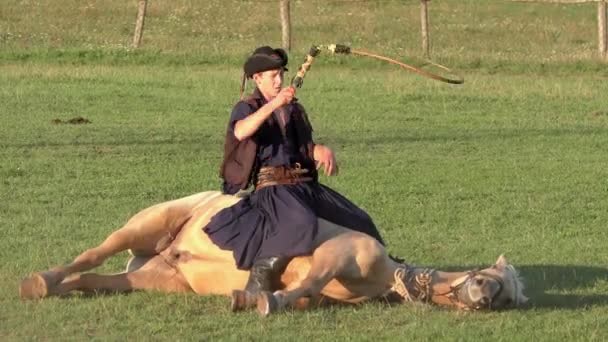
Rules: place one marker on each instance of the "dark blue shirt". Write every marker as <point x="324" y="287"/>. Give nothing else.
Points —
<point x="274" y="149"/>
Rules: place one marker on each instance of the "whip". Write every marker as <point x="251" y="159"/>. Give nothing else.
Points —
<point x="315" y="50"/>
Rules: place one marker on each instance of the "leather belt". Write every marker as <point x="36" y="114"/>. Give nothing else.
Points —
<point x="280" y="175"/>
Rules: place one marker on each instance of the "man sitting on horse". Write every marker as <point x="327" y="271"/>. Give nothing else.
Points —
<point x="269" y="144"/>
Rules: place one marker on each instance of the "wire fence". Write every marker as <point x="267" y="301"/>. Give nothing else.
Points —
<point x="286" y="25"/>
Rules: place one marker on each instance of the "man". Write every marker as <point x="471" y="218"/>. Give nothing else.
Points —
<point x="269" y="143"/>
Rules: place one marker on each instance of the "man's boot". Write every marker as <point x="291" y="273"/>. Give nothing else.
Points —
<point x="264" y="275"/>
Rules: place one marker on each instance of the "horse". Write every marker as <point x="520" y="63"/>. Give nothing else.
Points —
<point x="171" y="253"/>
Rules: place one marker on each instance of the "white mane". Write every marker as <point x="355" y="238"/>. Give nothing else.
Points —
<point x="516" y="285"/>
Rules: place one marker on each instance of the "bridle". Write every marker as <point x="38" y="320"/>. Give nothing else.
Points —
<point x="457" y="285"/>
<point x="412" y="286"/>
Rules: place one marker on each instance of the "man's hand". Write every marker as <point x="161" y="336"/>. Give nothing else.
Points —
<point x="246" y="127"/>
<point x="284" y="97"/>
<point x="325" y="157"/>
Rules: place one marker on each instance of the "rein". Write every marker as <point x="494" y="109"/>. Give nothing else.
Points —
<point x="420" y="291"/>
<point x="413" y="287"/>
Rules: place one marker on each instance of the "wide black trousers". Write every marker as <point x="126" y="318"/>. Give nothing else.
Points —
<point x="281" y="220"/>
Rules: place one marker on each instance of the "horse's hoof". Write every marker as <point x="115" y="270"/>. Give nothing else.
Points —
<point x="267" y="303"/>
<point x="33" y="287"/>
<point x="240" y="300"/>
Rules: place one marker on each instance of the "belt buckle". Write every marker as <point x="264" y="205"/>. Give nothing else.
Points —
<point x="295" y="174"/>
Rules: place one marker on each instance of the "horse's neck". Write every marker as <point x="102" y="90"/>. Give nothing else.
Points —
<point x="442" y="285"/>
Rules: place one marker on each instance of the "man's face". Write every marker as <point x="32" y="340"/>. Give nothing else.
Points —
<point x="269" y="82"/>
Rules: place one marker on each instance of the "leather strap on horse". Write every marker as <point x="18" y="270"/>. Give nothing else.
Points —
<point x="419" y="285"/>
<point x="400" y="276"/>
<point x="460" y="282"/>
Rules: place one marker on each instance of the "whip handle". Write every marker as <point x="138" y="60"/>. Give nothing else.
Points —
<point x="298" y="79"/>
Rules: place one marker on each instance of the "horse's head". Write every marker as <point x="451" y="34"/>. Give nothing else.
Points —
<point x="496" y="287"/>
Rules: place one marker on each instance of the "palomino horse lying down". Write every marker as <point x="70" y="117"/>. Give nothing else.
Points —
<point x="171" y="253"/>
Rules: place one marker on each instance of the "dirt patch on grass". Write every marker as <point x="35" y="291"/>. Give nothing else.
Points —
<point x="79" y="120"/>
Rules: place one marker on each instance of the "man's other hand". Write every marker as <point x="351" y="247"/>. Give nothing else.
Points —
<point x="325" y="157"/>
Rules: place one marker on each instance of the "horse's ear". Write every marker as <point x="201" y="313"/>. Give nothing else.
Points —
<point x="501" y="262"/>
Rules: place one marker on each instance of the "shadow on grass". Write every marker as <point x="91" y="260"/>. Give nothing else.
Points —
<point x="564" y="286"/>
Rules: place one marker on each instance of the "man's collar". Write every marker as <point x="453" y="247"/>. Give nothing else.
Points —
<point x="257" y="94"/>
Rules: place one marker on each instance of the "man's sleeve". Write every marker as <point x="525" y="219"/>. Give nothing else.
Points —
<point x="240" y="111"/>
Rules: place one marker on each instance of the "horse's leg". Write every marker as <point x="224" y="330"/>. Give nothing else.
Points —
<point x="156" y="275"/>
<point x="352" y="257"/>
<point x="141" y="233"/>
<point x="319" y="275"/>
<point x="39" y="285"/>
<point x="328" y="260"/>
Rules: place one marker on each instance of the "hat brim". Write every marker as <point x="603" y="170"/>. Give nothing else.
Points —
<point x="260" y="62"/>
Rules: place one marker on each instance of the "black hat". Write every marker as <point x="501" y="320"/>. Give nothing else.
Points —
<point x="265" y="58"/>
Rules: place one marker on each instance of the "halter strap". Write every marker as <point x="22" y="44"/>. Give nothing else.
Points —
<point x="417" y="287"/>
<point x="460" y="282"/>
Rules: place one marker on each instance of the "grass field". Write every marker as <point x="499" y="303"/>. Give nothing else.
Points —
<point x="513" y="161"/>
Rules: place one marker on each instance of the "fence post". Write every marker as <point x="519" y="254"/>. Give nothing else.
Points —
<point x="602" y="32"/>
<point x="285" y="24"/>
<point x="139" y="24"/>
<point x="424" y="22"/>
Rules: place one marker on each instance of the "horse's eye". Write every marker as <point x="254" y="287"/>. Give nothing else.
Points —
<point x="479" y="281"/>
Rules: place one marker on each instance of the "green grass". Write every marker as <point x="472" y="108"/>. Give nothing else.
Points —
<point x="513" y="161"/>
